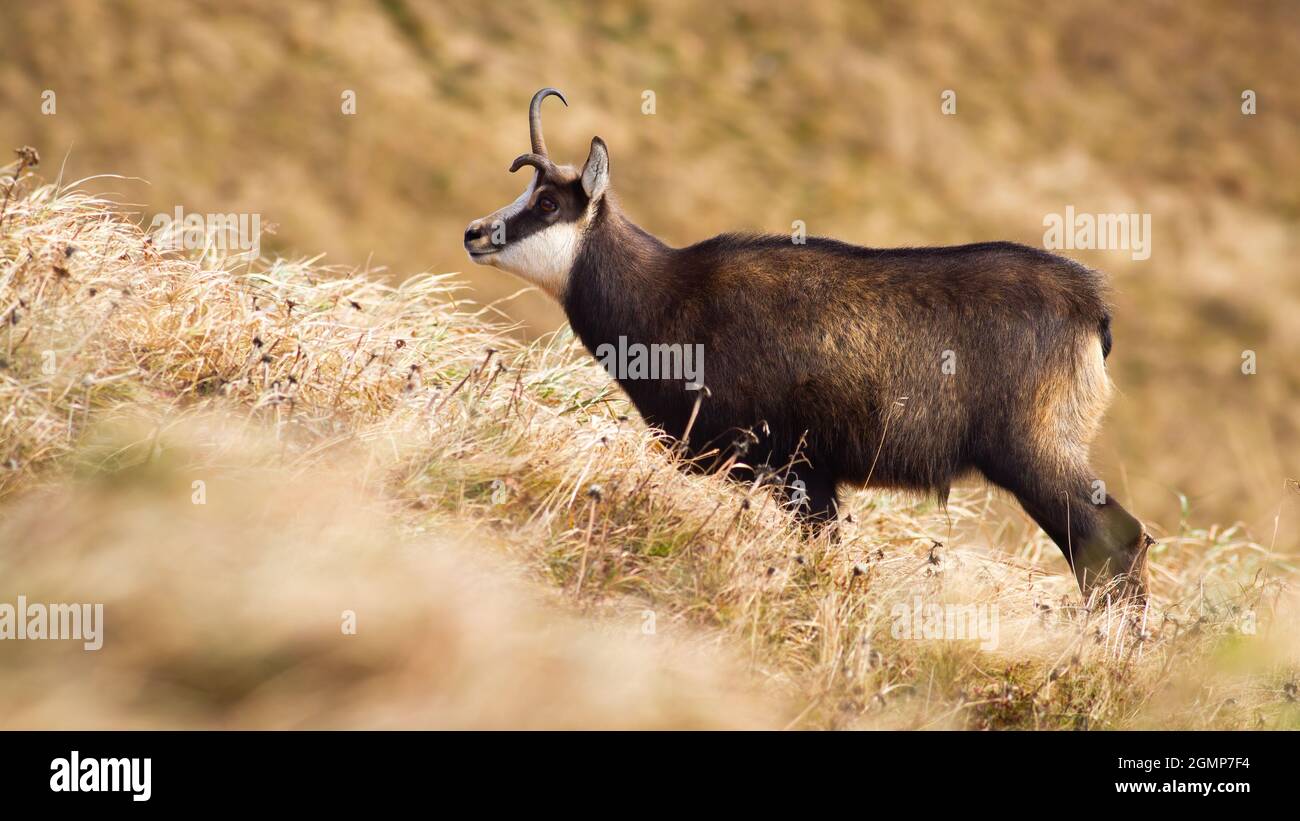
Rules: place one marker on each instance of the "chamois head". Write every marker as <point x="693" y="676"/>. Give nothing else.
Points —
<point x="538" y="236"/>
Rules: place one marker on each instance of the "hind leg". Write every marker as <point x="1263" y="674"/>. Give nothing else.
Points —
<point x="1046" y="467"/>
<point x="1104" y="544"/>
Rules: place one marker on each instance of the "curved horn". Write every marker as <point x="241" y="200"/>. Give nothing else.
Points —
<point x="542" y="164"/>
<point x="535" y="118"/>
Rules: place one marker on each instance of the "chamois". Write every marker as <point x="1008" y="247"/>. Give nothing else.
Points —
<point x="831" y="364"/>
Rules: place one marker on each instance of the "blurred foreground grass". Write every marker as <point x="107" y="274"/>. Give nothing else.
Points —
<point x="517" y="549"/>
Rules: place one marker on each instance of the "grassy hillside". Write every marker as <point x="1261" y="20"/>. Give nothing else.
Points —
<point x="232" y="457"/>
<point x="765" y="113"/>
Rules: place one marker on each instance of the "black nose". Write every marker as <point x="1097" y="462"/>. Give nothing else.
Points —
<point x="472" y="233"/>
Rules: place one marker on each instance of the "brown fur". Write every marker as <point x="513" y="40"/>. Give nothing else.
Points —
<point x="824" y="364"/>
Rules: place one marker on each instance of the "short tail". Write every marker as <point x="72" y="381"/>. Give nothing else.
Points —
<point x="1106" y="340"/>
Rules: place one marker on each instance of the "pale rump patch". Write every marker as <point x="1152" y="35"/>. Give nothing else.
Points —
<point x="1070" y="407"/>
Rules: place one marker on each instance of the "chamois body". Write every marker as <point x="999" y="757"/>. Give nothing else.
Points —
<point x="827" y="364"/>
<point x="834" y="355"/>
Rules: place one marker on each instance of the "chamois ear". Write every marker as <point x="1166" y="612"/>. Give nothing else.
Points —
<point x="595" y="174"/>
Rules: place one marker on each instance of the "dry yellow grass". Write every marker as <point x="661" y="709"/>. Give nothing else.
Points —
<point x="389" y="446"/>
<point x="767" y="112"/>
<point x="232" y="614"/>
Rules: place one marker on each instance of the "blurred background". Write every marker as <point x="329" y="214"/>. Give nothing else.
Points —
<point x="764" y="113"/>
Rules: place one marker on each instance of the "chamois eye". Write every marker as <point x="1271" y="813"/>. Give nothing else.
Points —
<point x="547" y="205"/>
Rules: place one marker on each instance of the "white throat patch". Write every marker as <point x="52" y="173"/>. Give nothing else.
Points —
<point x="544" y="258"/>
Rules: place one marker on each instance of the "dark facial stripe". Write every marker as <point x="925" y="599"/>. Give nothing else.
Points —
<point x="570" y="201"/>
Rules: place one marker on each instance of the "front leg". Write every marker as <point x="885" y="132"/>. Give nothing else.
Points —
<point x="811" y="496"/>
